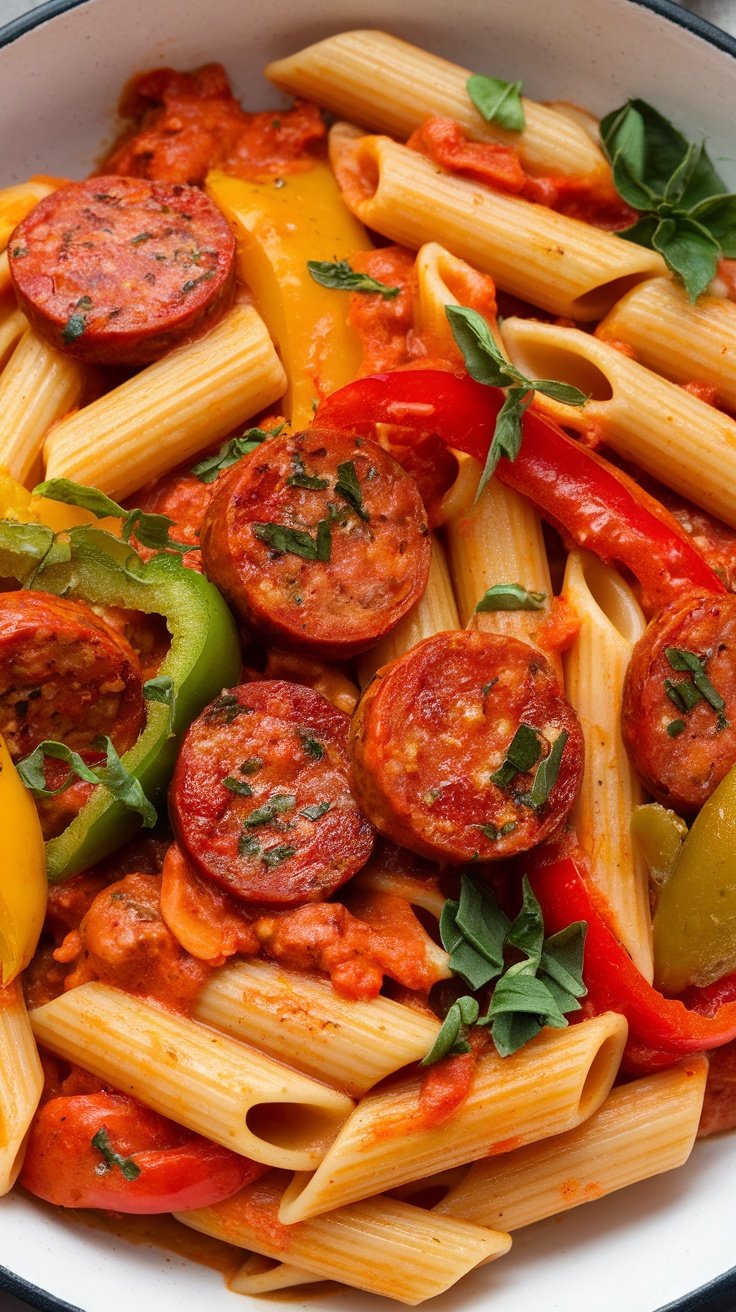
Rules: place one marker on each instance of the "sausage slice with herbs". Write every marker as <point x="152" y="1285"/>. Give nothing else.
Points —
<point x="118" y="270"/>
<point x="465" y="749"/>
<point x="260" y="800"/>
<point x="318" y="539"/>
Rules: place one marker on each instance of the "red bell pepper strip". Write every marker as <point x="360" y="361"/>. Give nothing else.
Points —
<point x="597" y="506"/>
<point x="661" y="1029"/>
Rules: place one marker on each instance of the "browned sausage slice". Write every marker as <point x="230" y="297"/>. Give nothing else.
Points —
<point x="679" y="704"/>
<point x="465" y="748"/>
<point x="260" y="800"/>
<point x="118" y="270"/>
<point x="318" y="539"/>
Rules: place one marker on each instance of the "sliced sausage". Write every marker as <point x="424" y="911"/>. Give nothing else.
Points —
<point x="679" y="723"/>
<point x="64" y="675"/>
<point x="118" y="270"/>
<point x="318" y="539"/>
<point x="465" y="748"/>
<point x="260" y="800"/>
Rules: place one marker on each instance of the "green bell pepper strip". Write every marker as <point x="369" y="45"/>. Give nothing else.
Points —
<point x="694" y="929"/>
<point x="93" y="566"/>
<point x="659" y="834"/>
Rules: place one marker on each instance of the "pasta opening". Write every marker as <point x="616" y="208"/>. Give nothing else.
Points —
<point x="292" y="1126"/>
<point x="601" y="1074"/>
<point x="614" y="597"/>
<point x="544" y="359"/>
<point x="597" y="302"/>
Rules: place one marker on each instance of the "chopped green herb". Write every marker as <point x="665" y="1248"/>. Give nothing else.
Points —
<point x="237" y="786"/>
<point x="231" y="452"/>
<point x="300" y="478"/>
<point x="339" y="276"/>
<point x="126" y="1165"/>
<point x="273" y="856"/>
<point x="283" y="539"/>
<point x="314" y="810"/>
<point x="19" y="252"/>
<point x="522" y="755"/>
<point x="683" y="695"/>
<point x="112" y="775"/>
<point x="226" y="707"/>
<point x="142" y="236"/>
<point x="546" y="774"/>
<point x="511" y="596"/>
<point x="191" y="283"/>
<point x="493" y="832"/>
<point x="682" y="660"/>
<point x="276" y="805"/>
<point x="348" y="487"/>
<point x="675" y="728"/>
<point x="76" y="324"/>
<point x="248" y="845"/>
<point x="497" y="101"/>
<point x="487" y="686"/>
<point x="312" y="747"/>
<point x="252" y="765"/>
<point x="451" y="1040"/>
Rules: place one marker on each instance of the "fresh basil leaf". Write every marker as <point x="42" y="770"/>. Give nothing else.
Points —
<point x="300" y="478"/>
<point x="231" y="452"/>
<point x="126" y="1165"/>
<point x="283" y="539"/>
<point x="112" y="775"/>
<point x="526" y="934"/>
<point x="717" y="215"/>
<point x="642" y="232"/>
<point x="276" y="805"/>
<point x="630" y="187"/>
<point x="520" y="991"/>
<point x="562" y="958"/>
<point x="273" y="856"/>
<point x="161" y="689"/>
<point x="482" y="922"/>
<point x="564" y="392"/>
<point x="450" y="1041"/>
<point x="507" y="435"/>
<point x="512" y="1030"/>
<point x="689" y="251"/>
<point x="237" y="786"/>
<point x="522" y="755"/>
<point x="497" y="101"/>
<point x="339" y="276"/>
<point x="348" y="487"/>
<point x="315" y="810"/>
<point x="472" y="967"/>
<point x="312" y="747"/>
<point x="546" y="774"/>
<point x="510" y="596"/>
<point x="652" y="146"/>
<point x="483" y="359"/>
<point x="681" y="659"/>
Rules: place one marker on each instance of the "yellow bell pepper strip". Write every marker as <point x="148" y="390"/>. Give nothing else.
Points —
<point x="659" y="834"/>
<point x="204" y="656"/>
<point x="16" y="502"/>
<point x="695" y="921"/>
<point x="23" y="878"/>
<point x="279" y="225"/>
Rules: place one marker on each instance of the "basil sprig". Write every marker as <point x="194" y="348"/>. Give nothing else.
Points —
<point x="339" y="276"/>
<point x="150" y="530"/>
<point x="112" y="775"/>
<point x="539" y="987"/>
<point x="231" y="452"/>
<point x="485" y="363"/>
<point x="497" y="101"/>
<point x="687" y="214"/>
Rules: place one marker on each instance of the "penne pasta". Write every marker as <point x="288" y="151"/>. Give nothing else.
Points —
<point x="552" y="1084"/>
<point x="204" y="1080"/>
<point x="380" y="1245"/>
<point x="21" y="1082"/>
<point x="611" y="621"/>
<point x="678" y="438"/>
<point x="643" y="1129"/>
<point x="558" y="263"/>
<point x="679" y="339"/>
<point x="171" y="410"/>
<point x="388" y="85"/>
<point x="433" y="613"/>
<point x="263" y="1275"/>
<point x="301" y="1020"/>
<point x="13" y="324"/>
<point x="38" y="386"/>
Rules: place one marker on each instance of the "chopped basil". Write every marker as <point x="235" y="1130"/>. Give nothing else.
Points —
<point x="300" y="478"/>
<point x="191" y="283"/>
<point x="451" y="1040"/>
<point x="248" y="845"/>
<point x="497" y="101"/>
<point x="142" y="236"/>
<point x="510" y="596"/>
<point x="273" y="856"/>
<point x="339" y="276"/>
<point x="252" y="765"/>
<point x="113" y="776"/>
<point x="19" y="252"/>
<point x="276" y="805"/>
<point x="675" y="728"/>
<point x="126" y="1165"/>
<point x="546" y="774"/>
<point x="314" y="810"/>
<point x="681" y="694"/>
<point x="348" y="487"/>
<point x="226" y="707"/>
<point x="237" y="786"/>
<point x="312" y="747"/>
<point x="76" y="324"/>
<point x="283" y="539"/>
<point x="231" y="452"/>
<point x="493" y="832"/>
<point x="522" y="755"/>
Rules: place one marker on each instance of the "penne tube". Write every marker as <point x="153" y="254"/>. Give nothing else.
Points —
<point x="381" y="1245"/>
<point x="210" y="1083"/>
<point x="21" y="1082"/>
<point x="319" y="349"/>
<point x="441" y="280"/>
<point x="16" y="202"/>
<point x="435" y="612"/>
<point x="561" y="264"/>
<point x="643" y="1129"/>
<point x="263" y="1275"/>
<point x="171" y="410"/>
<point x="683" y="340"/>
<point x="300" y="1019"/>
<point x="611" y="621"/>
<point x="669" y="433"/>
<point x="390" y="86"/>
<point x="37" y="387"/>
<point x="13" y="324"/>
<point x="550" y="1085"/>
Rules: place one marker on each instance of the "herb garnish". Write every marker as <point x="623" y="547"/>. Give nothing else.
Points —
<point x="685" y="695"/>
<point x="538" y="990"/>
<point x="150" y="530"/>
<point x="226" y="707"/>
<point x="546" y="774"/>
<point x="485" y="363"/>
<point x="283" y="539"/>
<point x="339" y="276"/>
<point x="273" y="856"/>
<point x="252" y="765"/>
<point x="675" y="728"/>
<point x="126" y="1165"/>
<point x="300" y="478"/>
<point x="686" y="212"/>
<point x="314" y="810"/>
<point x="231" y="452"/>
<point x="497" y="101"/>
<point x="511" y="596"/>
<point x="348" y="487"/>
<point x="493" y="832"/>
<point x="76" y="324"/>
<point x="191" y="283"/>
<point x="276" y="805"/>
<point x="237" y="786"/>
<point x="112" y="775"/>
<point x="312" y="747"/>
<point x="522" y="755"/>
